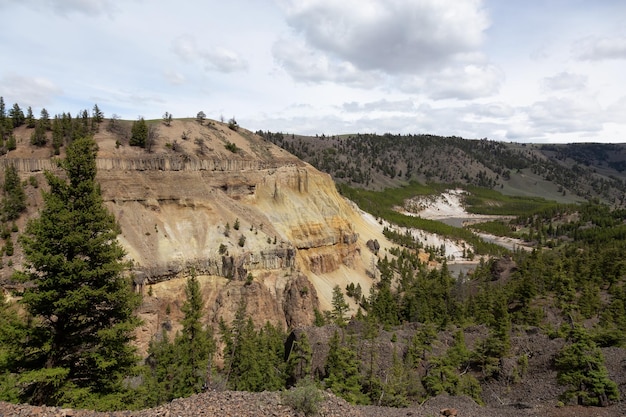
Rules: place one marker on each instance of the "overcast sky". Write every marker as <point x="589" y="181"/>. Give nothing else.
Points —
<point x="525" y="71"/>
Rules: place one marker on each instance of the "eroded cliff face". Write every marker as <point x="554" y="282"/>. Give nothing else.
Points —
<point x="256" y="226"/>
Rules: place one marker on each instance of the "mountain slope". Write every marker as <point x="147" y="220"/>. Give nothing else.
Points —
<point x="565" y="173"/>
<point x="253" y="222"/>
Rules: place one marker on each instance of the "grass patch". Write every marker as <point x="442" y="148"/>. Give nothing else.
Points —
<point x="381" y="204"/>
<point x="491" y="202"/>
<point x="495" y="227"/>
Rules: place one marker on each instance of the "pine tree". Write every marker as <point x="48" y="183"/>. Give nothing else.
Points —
<point x="180" y="368"/>
<point x="38" y="137"/>
<point x="44" y="118"/>
<point x="139" y="133"/>
<point x="3" y="110"/>
<point x="396" y="385"/>
<point x="340" y="306"/>
<point x="57" y="134"/>
<point x="195" y="343"/>
<point x="81" y="302"/>
<point x="11" y="329"/>
<point x="17" y="116"/>
<point x="14" y="202"/>
<point x="96" y="118"/>
<point x="299" y="360"/>
<point x="342" y="370"/>
<point x="580" y="366"/>
<point x="30" y="118"/>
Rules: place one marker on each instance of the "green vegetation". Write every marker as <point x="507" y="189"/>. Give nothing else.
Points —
<point x="74" y="348"/>
<point x="485" y="201"/>
<point x="14" y="202"/>
<point x="374" y="161"/>
<point x="182" y="367"/>
<point x="305" y="397"/>
<point x="139" y="133"/>
<point x="581" y="368"/>
<point x="67" y="341"/>
<point x="382" y="203"/>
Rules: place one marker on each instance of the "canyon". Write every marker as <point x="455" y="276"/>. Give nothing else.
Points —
<point x="252" y="222"/>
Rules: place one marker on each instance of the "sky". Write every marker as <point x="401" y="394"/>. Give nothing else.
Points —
<point x="541" y="71"/>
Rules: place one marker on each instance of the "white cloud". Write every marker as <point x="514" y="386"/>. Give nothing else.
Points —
<point x="91" y="8"/>
<point x="28" y="91"/>
<point x="383" y="105"/>
<point x="565" y="81"/>
<point x="467" y="83"/>
<point x="312" y="66"/>
<point x="597" y="49"/>
<point x="174" y="77"/>
<point x="214" y="58"/>
<point x="393" y="36"/>
<point x="566" y="115"/>
<point x="223" y="60"/>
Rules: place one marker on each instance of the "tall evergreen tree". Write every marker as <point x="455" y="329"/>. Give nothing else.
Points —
<point x="340" y="306"/>
<point x="44" y="118"/>
<point x="38" y="137"/>
<point x="96" y="118"/>
<point x="3" y="110"/>
<point x="17" y="116"/>
<point x="181" y="368"/>
<point x="14" y="202"/>
<point x="30" y="118"/>
<point x="580" y="367"/>
<point x="81" y="302"/>
<point x="299" y="359"/>
<point x="6" y="125"/>
<point x="11" y="329"/>
<point x="342" y="370"/>
<point x="57" y="134"/>
<point x="139" y="133"/>
<point x="195" y="342"/>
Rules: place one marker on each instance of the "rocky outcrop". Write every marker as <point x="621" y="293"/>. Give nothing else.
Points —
<point x="252" y="222"/>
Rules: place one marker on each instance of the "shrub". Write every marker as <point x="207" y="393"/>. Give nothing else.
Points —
<point x="305" y="397"/>
<point x="231" y="147"/>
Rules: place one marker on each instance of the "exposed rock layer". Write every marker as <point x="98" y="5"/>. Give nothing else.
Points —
<point x="256" y="225"/>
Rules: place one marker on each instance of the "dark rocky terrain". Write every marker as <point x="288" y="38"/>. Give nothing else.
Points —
<point x="244" y="404"/>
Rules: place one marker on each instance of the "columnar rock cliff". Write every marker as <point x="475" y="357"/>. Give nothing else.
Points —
<point x="252" y="222"/>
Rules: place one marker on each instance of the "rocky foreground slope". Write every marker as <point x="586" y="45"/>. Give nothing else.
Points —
<point x="250" y="220"/>
<point x="246" y="404"/>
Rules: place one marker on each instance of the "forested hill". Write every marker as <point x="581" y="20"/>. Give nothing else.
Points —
<point x="568" y="172"/>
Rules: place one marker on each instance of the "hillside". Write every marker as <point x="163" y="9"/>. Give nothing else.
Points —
<point x="252" y="221"/>
<point x="564" y="172"/>
<point x="271" y="241"/>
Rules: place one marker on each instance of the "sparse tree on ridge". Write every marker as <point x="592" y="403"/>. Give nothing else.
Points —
<point x="44" y="119"/>
<point x="30" y="118"/>
<point x="139" y="133"/>
<point x="17" y="116"/>
<point x="97" y="116"/>
<point x="153" y="136"/>
<point x="3" y="110"/>
<point x="232" y="124"/>
<point x="200" y="117"/>
<point x="167" y="118"/>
